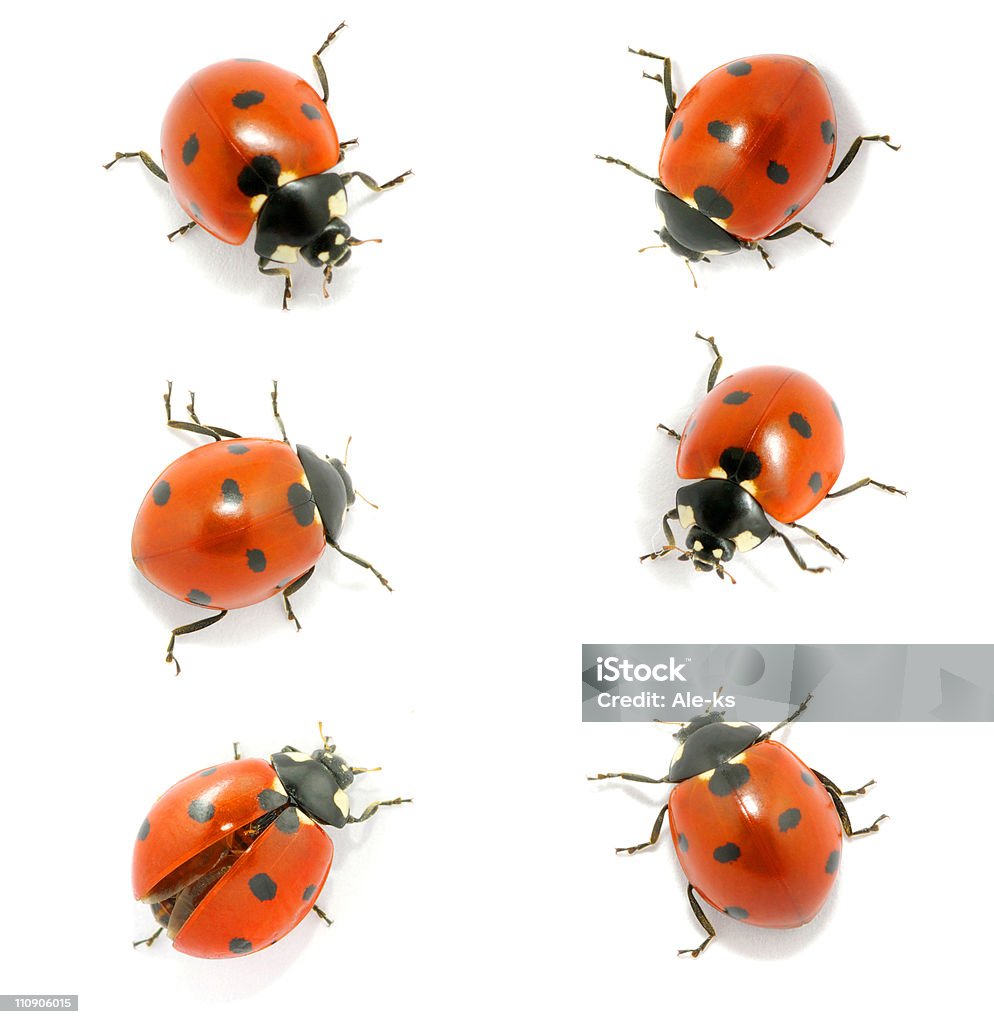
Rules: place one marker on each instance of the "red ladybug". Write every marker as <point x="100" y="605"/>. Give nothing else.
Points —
<point x="232" y="858"/>
<point x="243" y="143"/>
<point x="746" y="150"/>
<point x="764" y="442"/>
<point x="757" y="832"/>
<point x="240" y="520"/>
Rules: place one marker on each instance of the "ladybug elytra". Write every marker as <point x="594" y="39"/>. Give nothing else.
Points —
<point x="233" y="857"/>
<point x="765" y="443"/>
<point x="245" y="142"/>
<point x="234" y="522"/>
<point x="757" y="832"/>
<point x="745" y="151"/>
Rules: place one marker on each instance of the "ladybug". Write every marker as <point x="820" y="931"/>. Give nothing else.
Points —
<point x="757" y="832"/>
<point x="240" y="520"/>
<point x="233" y="857"/>
<point x="765" y="443"/>
<point x="245" y="142"/>
<point x="745" y="151"/>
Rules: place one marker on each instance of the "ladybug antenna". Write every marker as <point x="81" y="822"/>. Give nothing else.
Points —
<point x="686" y="556"/>
<point x="325" y="742"/>
<point x="362" y="241"/>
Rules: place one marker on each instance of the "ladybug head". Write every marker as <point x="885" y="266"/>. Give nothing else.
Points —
<point x="336" y="764"/>
<point x="707" y="550"/>
<point x="689" y="232"/>
<point x="708" y="741"/>
<point x="330" y="486"/>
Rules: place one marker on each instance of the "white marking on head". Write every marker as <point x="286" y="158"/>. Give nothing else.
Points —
<point x="746" y="541"/>
<point x="718" y="553"/>
<point x="698" y="546"/>
<point x="339" y="239"/>
<point x="686" y="516"/>
<point x="324" y="256"/>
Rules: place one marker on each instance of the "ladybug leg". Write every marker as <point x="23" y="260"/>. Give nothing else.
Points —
<point x="836" y="794"/>
<point x="796" y="555"/>
<point x="362" y="562"/>
<point x="192" y="627"/>
<point x="865" y="482"/>
<point x="657" y="827"/>
<point x="290" y="591"/>
<point x="792" y="229"/>
<point x="319" y="67"/>
<point x="149" y="940"/>
<point x="762" y="252"/>
<point x="196" y="427"/>
<point x="705" y="924"/>
<point x="669" y="430"/>
<point x="373" y="808"/>
<point x="275" y="272"/>
<point x="145" y="159"/>
<point x="628" y="777"/>
<point x="238" y="753"/>
<point x="372" y="184"/>
<point x="324" y="917"/>
<point x="831" y="548"/>
<point x="182" y="230"/>
<point x="718" y="360"/>
<point x="665" y="80"/>
<point x="801" y="708"/>
<point x="854" y="149"/>
<point x="628" y="167"/>
<point x="670" y="545"/>
<point x="829" y="784"/>
<point x="274" y="395"/>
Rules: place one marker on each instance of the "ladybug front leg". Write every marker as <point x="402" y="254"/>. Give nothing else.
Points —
<point x="705" y="924"/>
<point x="145" y="159"/>
<point x="830" y="548"/>
<point x="801" y="708"/>
<point x="319" y="67"/>
<point x="192" y="627"/>
<point x="372" y="184"/>
<point x="362" y="561"/>
<point x="795" y="227"/>
<point x="796" y="555"/>
<point x="854" y="149"/>
<point x="657" y="828"/>
<point x="837" y="794"/>
<point x="628" y="167"/>
<point x="865" y="482"/>
<point x="374" y="807"/>
<point x="195" y="427"/>
<point x="665" y="80"/>
<point x="276" y="271"/>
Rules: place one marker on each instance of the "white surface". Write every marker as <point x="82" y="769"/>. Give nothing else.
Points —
<point x="501" y="361"/>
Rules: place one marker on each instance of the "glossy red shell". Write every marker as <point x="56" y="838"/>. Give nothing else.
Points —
<point x="784" y="417"/>
<point x="762" y="138"/>
<point x="767" y="851"/>
<point x="266" y="889"/>
<point x="228" y="524"/>
<point x="223" y="117"/>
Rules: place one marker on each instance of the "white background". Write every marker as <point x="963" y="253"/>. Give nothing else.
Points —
<point x="501" y="360"/>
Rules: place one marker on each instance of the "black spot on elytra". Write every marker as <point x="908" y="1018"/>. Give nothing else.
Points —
<point x="249" y="98"/>
<point x="828" y="131"/>
<point x="739" y="68"/>
<point x="815" y="482"/>
<point x="739" y="913"/>
<point x="190" y="149"/>
<point x="231" y="496"/>
<point x="739" y="465"/>
<point x="835" y="409"/>
<point x="712" y="203"/>
<point x="288" y="822"/>
<point x="310" y="112"/>
<point x="777" y="173"/>
<point x="161" y="492"/>
<point x="789" y="819"/>
<point x="260" y="177"/>
<point x="208" y="771"/>
<point x="832" y="864"/>
<point x="720" y="130"/>
<point x="240" y="946"/>
<point x="676" y="130"/>
<point x="263" y="887"/>
<point x="256" y="559"/>
<point x="807" y="779"/>
<point x="309" y="892"/>
<point x="143" y="832"/>
<point x="727" y="778"/>
<point x="198" y="597"/>
<point x="238" y="449"/>
<point x="302" y="503"/>
<point x="681" y="841"/>
<point x="737" y="397"/>
<point x="800" y="424"/>
<point x="269" y="799"/>
<point x="201" y="810"/>
<point x="727" y="853"/>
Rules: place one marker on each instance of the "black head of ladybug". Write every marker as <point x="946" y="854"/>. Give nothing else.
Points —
<point x="331" y="487"/>
<point x="690" y="232"/>
<point x="707" y="742"/>
<point x="304" y="217"/>
<point x="316" y="783"/>
<point x="721" y="517"/>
